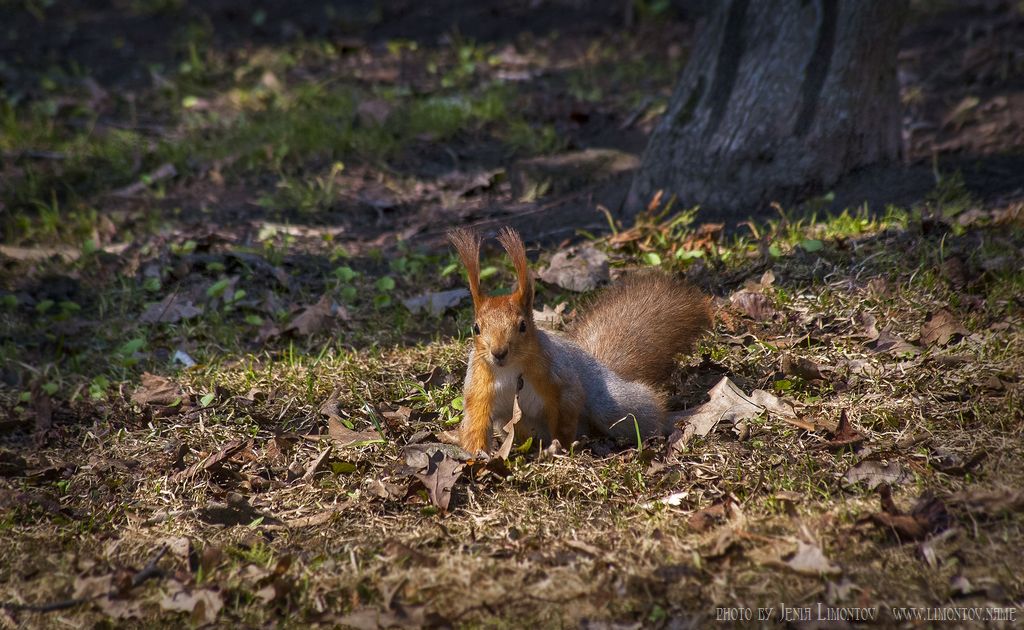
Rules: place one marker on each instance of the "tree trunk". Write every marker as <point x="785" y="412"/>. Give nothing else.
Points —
<point x="780" y="98"/>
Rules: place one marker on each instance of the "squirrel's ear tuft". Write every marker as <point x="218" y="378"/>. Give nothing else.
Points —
<point x="467" y="245"/>
<point x="513" y="244"/>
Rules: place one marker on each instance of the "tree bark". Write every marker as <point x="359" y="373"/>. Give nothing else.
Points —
<point x="779" y="99"/>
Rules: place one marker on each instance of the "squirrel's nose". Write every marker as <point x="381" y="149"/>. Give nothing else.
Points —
<point x="500" y="354"/>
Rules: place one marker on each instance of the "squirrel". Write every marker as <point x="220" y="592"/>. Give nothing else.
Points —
<point x="601" y="378"/>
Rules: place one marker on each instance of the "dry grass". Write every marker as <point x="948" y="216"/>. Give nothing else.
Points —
<point x="560" y="539"/>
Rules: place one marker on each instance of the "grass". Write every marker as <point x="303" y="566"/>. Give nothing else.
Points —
<point x="262" y="221"/>
<point x="573" y="516"/>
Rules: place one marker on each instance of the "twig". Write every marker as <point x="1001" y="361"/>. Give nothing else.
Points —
<point x="147" y="572"/>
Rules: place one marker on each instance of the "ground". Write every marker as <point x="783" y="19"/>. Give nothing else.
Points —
<point x="218" y="407"/>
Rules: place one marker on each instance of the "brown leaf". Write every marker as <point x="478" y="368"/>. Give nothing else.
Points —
<point x="844" y="435"/>
<point x="705" y="519"/>
<point x="928" y="516"/>
<point x="316" y="465"/>
<point x="316" y="317"/>
<point x="172" y="309"/>
<point x="436" y="469"/>
<point x="105" y="591"/>
<point x="159" y="391"/>
<point x="728" y="404"/>
<point x="941" y="328"/>
<point x="889" y="342"/>
<point x="510" y="431"/>
<point x="874" y="473"/>
<point x="869" y="330"/>
<point x="581" y="268"/>
<point x="202" y="604"/>
<point x="808" y="559"/>
<point x="801" y="367"/>
<point x="754" y="305"/>
<point x="343" y="436"/>
<point x="989" y="501"/>
<point x="11" y="464"/>
<point x="212" y="462"/>
<point x="436" y="303"/>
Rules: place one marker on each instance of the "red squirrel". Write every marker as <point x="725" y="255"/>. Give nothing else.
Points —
<point x="601" y="378"/>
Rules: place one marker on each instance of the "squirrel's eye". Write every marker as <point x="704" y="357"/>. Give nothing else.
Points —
<point x="522" y="325"/>
<point x="476" y="328"/>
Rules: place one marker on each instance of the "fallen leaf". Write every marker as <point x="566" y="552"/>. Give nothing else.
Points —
<point x="434" y="466"/>
<point x="754" y="305"/>
<point x="728" y="403"/>
<point x="510" y="431"/>
<point x="874" y="473"/>
<point x="11" y="464"/>
<point x="435" y="303"/>
<point x="674" y="499"/>
<point x="941" y="328"/>
<point x="581" y="268"/>
<point x="702" y="520"/>
<point x="385" y="489"/>
<point x="342" y="436"/>
<point x="952" y="463"/>
<point x="844" y="435"/>
<point x="373" y="112"/>
<point x="799" y="366"/>
<point x="107" y="593"/>
<point x="170" y="310"/>
<point x="887" y="341"/>
<point x="549" y="317"/>
<point x="159" y="174"/>
<point x="928" y="516"/>
<point x="869" y="330"/>
<point x="316" y="317"/>
<point x="203" y="604"/>
<point x="316" y="464"/>
<point x="235" y="510"/>
<point x="159" y="391"/>
<point x="989" y="501"/>
<point x="808" y="559"/>
<point x="213" y="461"/>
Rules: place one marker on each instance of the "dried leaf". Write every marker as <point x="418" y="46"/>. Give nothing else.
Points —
<point x="343" y="436"/>
<point x="889" y="342"/>
<point x="160" y="391"/>
<point x="203" y="604"/>
<point x="581" y="268"/>
<point x="316" y="465"/>
<point x="510" y="431"/>
<point x="808" y="559"/>
<point x="435" y="303"/>
<point x="844" y="435"/>
<point x="874" y="473"/>
<point x="801" y="367"/>
<point x="316" y="317"/>
<point x="170" y="310"/>
<point x="928" y="516"/>
<point x="989" y="501"/>
<point x="941" y="328"/>
<point x="728" y="403"/>
<point x="212" y="462"/>
<point x="436" y="468"/>
<point x="754" y="305"/>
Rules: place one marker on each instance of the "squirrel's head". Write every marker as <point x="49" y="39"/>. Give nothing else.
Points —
<point x="503" y="328"/>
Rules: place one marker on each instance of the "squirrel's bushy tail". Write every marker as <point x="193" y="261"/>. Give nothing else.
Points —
<point x="637" y="326"/>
